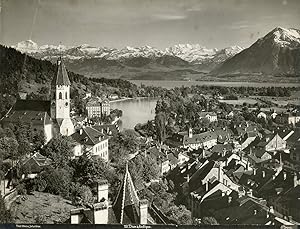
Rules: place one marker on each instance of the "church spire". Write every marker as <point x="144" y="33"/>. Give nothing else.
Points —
<point x="126" y="205"/>
<point x="61" y="78"/>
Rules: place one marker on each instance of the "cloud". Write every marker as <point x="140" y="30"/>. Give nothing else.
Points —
<point x="169" y="17"/>
<point x="194" y="9"/>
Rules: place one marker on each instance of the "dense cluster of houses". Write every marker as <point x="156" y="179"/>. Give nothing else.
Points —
<point x="239" y="175"/>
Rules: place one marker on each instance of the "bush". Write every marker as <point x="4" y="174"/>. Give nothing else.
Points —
<point x="55" y="181"/>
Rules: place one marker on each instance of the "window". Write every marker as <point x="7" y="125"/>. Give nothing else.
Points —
<point x="60" y="95"/>
<point x="66" y="95"/>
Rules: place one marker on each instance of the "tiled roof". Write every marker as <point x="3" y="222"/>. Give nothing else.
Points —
<point x="36" y="112"/>
<point x="203" y="114"/>
<point x="281" y="183"/>
<point x="257" y="181"/>
<point x="172" y="158"/>
<point x="88" y="136"/>
<point x="108" y="129"/>
<point x="196" y="179"/>
<point x="61" y="78"/>
<point x="37" y="163"/>
<point x="249" y="212"/>
<point x="219" y="148"/>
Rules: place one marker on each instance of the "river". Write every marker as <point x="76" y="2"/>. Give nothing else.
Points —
<point x="135" y="111"/>
<point x="171" y="84"/>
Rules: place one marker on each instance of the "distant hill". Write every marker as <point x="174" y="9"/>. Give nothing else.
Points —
<point x="20" y="72"/>
<point x="277" y="53"/>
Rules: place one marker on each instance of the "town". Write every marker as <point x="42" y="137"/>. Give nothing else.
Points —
<point x="205" y="158"/>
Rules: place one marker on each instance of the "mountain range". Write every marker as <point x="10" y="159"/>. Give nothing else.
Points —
<point x="131" y="61"/>
<point x="277" y="53"/>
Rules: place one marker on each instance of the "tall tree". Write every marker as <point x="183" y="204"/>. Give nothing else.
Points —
<point x="160" y="124"/>
<point x="60" y="150"/>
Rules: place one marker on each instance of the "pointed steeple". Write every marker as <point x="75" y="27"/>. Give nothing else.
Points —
<point x="61" y="78"/>
<point x="126" y="206"/>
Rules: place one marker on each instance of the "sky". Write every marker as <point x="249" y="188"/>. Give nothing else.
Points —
<point x="157" y="23"/>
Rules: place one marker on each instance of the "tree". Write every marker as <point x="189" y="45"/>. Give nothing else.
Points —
<point x="89" y="171"/>
<point x="160" y="124"/>
<point x="56" y="181"/>
<point x="60" y="150"/>
<point x="5" y="216"/>
<point x="9" y="148"/>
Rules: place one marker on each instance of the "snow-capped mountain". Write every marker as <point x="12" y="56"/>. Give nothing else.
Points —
<point x="277" y="53"/>
<point x="192" y="53"/>
<point x="27" y="46"/>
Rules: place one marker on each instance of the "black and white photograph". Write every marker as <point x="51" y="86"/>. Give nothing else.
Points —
<point x="149" y="114"/>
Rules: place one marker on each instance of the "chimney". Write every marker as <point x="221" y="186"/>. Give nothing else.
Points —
<point x="284" y="175"/>
<point x="102" y="191"/>
<point x="254" y="171"/>
<point x="80" y="131"/>
<point x="263" y="174"/>
<point x="220" y="174"/>
<point x="76" y="215"/>
<point x="296" y="181"/>
<point x="229" y="199"/>
<point x="100" y="211"/>
<point x="143" y="212"/>
<point x="271" y="210"/>
<point x="190" y="132"/>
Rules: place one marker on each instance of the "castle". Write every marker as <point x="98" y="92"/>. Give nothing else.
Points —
<point x="52" y="117"/>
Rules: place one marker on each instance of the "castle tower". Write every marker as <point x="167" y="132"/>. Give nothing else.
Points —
<point x="60" y="100"/>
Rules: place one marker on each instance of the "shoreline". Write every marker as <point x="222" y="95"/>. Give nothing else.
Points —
<point x="125" y="99"/>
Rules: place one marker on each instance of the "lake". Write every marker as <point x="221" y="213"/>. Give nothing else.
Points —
<point x="135" y="111"/>
<point x="171" y="84"/>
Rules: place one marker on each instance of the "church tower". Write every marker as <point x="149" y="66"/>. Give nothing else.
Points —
<point x="60" y="100"/>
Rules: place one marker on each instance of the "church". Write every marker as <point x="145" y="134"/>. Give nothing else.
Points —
<point x="52" y="117"/>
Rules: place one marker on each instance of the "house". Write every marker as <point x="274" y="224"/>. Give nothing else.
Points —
<point x="205" y="140"/>
<point x="287" y="202"/>
<point x="272" y="143"/>
<point x="262" y="115"/>
<point x="211" y="116"/>
<point x="173" y="161"/>
<point x="256" y="179"/>
<point x="127" y="208"/>
<point x="108" y="129"/>
<point x="207" y="172"/>
<point x="295" y="152"/>
<point x="247" y="211"/>
<point x="201" y="200"/>
<point x="53" y="116"/>
<point x="35" y="164"/>
<point x="91" y="141"/>
<point x="291" y="118"/>
<point x="98" y="108"/>
<point x="160" y="157"/>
